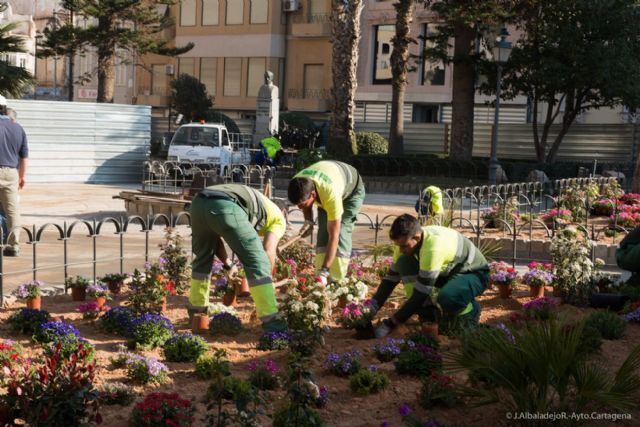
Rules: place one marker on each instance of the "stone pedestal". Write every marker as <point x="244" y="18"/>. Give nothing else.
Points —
<point x="267" y="111"/>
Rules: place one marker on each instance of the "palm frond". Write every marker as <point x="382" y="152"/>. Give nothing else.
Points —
<point x="490" y="249"/>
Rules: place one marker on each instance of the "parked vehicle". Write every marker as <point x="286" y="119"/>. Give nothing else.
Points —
<point x="210" y="145"/>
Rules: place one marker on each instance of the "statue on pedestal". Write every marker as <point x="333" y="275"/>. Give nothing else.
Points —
<point x="268" y="107"/>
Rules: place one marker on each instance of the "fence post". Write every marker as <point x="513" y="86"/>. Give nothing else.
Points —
<point x="35" y="264"/>
<point x="446" y="139"/>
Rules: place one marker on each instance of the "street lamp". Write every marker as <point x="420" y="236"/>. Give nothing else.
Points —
<point x="501" y="52"/>
<point x="38" y="36"/>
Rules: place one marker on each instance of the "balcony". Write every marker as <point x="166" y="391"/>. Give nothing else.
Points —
<point x="314" y="25"/>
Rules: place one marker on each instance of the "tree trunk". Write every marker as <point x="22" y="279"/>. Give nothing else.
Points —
<point x="400" y="71"/>
<point x="106" y="63"/>
<point x="345" y="22"/>
<point x="463" y="98"/>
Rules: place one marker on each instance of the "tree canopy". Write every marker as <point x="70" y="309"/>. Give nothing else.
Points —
<point x="14" y="80"/>
<point x="190" y="98"/>
<point x="117" y="29"/>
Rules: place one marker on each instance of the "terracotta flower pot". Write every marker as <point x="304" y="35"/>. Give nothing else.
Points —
<point x="536" y="291"/>
<point x="505" y="291"/>
<point x="200" y="323"/>
<point x="429" y="328"/>
<point x="114" y="288"/>
<point x="229" y="299"/>
<point x="34" y="303"/>
<point x="78" y="294"/>
<point x="100" y="301"/>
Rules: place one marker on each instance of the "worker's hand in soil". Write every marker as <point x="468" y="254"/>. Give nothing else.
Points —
<point x="323" y="276"/>
<point x="306" y="229"/>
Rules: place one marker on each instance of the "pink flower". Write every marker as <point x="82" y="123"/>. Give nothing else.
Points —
<point x="356" y="312"/>
<point x="548" y="266"/>
<point x="345" y="312"/>
<point x="532" y="265"/>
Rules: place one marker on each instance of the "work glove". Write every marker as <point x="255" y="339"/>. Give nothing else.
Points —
<point x="306" y="229"/>
<point x="323" y="276"/>
<point x="384" y="328"/>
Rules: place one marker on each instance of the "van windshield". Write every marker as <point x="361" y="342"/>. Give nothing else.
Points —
<point x="196" y="136"/>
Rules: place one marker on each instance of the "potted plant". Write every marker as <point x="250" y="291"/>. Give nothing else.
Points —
<point x="504" y="277"/>
<point x="358" y="317"/>
<point x="31" y="293"/>
<point x="78" y="286"/>
<point x="114" y="281"/>
<point x="150" y="289"/>
<point x="537" y="278"/>
<point x="99" y="293"/>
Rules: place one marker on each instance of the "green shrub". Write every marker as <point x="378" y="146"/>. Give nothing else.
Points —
<point x="184" y="348"/>
<point x="437" y="390"/>
<point x="27" y="320"/>
<point x="367" y="381"/>
<point x="116" y="394"/>
<point x="264" y="376"/>
<point x="146" y="370"/>
<point x="590" y="340"/>
<point x="149" y="331"/>
<point x="309" y="156"/>
<point x="294" y="415"/>
<point x="371" y="143"/>
<point x="240" y="391"/>
<point x="610" y="325"/>
<point x="418" y="361"/>
<point x="544" y="369"/>
<point x="217" y="117"/>
<point x="210" y="365"/>
<point x="296" y="120"/>
<point x="298" y="131"/>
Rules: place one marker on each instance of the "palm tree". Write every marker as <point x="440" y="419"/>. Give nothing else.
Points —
<point x="14" y="80"/>
<point x="345" y="21"/>
<point x="400" y="71"/>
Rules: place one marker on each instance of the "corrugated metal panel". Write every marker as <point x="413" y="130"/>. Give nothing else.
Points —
<point x="84" y="142"/>
<point x="379" y="112"/>
<point x="418" y="137"/>
<point x="610" y="142"/>
<point x="484" y="114"/>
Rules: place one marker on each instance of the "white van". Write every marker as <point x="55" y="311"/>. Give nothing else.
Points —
<point x="211" y="145"/>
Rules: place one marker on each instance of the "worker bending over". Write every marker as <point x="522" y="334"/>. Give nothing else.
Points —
<point x="430" y="202"/>
<point x="338" y="191"/>
<point x="238" y="214"/>
<point x="442" y="272"/>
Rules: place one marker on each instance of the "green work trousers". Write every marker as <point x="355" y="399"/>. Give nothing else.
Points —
<point x="351" y="206"/>
<point x="220" y="217"/>
<point x="455" y="292"/>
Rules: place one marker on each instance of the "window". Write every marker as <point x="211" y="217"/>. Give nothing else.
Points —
<point x="122" y="78"/>
<point x="235" y="12"/>
<point x="188" y="13"/>
<point x="312" y="82"/>
<point x="23" y="62"/>
<point x="232" y="76"/>
<point x="208" y="74"/>
<point x="318" y="11"/>
<point x="210" y="12"/>
<point x="159" y="80"/>
<point x="382" y="54"/>
<point x="257" y="67"/>
<point x="432" y="72"/>
<point x="425" y="113"/>
<point x="259" y="11"/>
<point x="187" y="66"/>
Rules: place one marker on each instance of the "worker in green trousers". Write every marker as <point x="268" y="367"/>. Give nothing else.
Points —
<point x="628" y="256"/>
<point x="337" y="190"/>
<point x="239" y="215"/>
<point x="442" y="272"/>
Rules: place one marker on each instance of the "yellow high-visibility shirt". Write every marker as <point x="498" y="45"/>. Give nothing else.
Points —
<point x="275" y="221"/>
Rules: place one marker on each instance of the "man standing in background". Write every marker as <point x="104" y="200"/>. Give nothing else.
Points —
<point x="14" y="153"/>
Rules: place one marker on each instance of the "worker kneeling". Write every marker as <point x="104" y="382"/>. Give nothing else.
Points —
<point x="442" y="272"/>
<point x="239" y="215"/>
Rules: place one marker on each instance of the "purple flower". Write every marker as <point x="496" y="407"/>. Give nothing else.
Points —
<point x="343" y="364"/>
<point x="60" y="329"/>
<point x="384" y="424"/>
<point x="154" y="367"/>
<point x="88" y="306"/>
<point x="502" y="327"/>
<point x="404" y="410"/>
<point x="150" y="318"/>
<point x="633" y="316"/>
<point x="28" y="290"/>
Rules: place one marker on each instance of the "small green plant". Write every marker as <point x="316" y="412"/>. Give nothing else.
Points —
<point x="68" y="345"/>
<point x="175" y="260"/>
<point x="418" y="355"/>
<point x="610" y="325"/>
<point x="76" y="282"/>
<point x="264" y="376"/>
<point x="27" y="320"/>
<point x="116" y="394"/>
<point x="149" y="331"/>
<point x="344" y="364"/>
<point x="368" y="381"/>
<point x="437" y="390"/>
<point x="146" y="370"/>
<point x="213" y="365"/>
<point x="225" y="324"/>
<point x="184" y="348"/>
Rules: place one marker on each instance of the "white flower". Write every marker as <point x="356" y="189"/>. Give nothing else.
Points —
<point x="312" y="306"/>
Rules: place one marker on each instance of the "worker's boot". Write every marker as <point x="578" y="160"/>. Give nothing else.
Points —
<point x="277" y="324"/>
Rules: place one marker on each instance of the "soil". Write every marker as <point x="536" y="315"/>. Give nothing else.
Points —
<point x="344" y="408"/>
